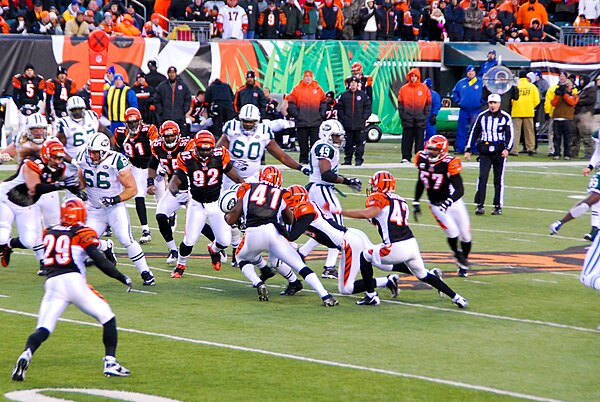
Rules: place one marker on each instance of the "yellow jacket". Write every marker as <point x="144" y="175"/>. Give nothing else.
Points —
<point x="529" y="98"/>
<point x="548" y="108"/>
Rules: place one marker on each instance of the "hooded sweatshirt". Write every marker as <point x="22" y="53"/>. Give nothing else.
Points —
<point x="414" y="101"/>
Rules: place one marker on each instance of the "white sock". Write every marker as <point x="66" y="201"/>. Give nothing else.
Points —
<point x="308" y="247"/>
<point x="135" y="253"/>
<point x="313" y="280"/>
<point x="332" y="256"/>
<point x="146" y="227"/>
<point x="250" y="273"/>
<point x="381" y="281"/>
<point x="287" y="272"/>
<point x="171" y="244"/>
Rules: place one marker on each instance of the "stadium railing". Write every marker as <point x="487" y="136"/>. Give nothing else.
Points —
<point x="580" y="36"/>
<point x="197" y="31"/>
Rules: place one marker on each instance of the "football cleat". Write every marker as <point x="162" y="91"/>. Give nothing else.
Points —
<point x="292" y="288"/>
<point x="146" y="237"/>
<point x="234" y="262"/>
<point x="178" y="271"/>
<point x="148" y="278"/>
<point x="460" y="301"/>
<point x="43" y="271"/>
<point x="463" y="273"/>
<point x="110" y="253"/>
<point x="223" y="256"/>
<point x="480" y="210"/>
<point x="113" y="369"/>
<point x="369" y="301"/>
<point x="330" y="301"/>
<point x="392" y="285"/>
<point x="172" y="258"/>
<point x="497" y="211"/>
<point x="263" y="293"/>
<point x="215" y="258"/>
<point x="5" y="256"/>
<point x="437" y="272"/>
<point x="329" y="273"/>
<point x="588" y="237"/>
<point x="266" y="273"/>
<point x="20" y="369"/>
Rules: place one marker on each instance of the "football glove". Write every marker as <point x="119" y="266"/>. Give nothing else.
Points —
<point x="305" y="170"/>
<point x="444" y="205"/>
<point x="555" y="227"/>
<point x="110" y="201"/>
<point x="72" y="181"/>
<point x="355" y="184"/>
<point x="416" y="210"/>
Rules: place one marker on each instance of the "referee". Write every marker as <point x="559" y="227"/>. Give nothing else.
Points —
<point x="492" y="135"/>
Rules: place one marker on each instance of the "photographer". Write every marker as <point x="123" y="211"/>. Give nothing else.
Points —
<point x="564" y="102"/>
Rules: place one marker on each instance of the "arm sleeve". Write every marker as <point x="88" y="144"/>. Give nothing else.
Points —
<point x="459" y="188"/>
<point x="436" y="103"/>
<point x="419" y="188"/>
<point x="153" y="163"/>
<point x="103" y="264"/>
<point x="300" y="226"/>
<point x="329" y="176"/>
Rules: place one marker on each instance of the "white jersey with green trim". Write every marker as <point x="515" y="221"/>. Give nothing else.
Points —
<point x="322" y="150"/>
<point x="247" y="150"/>
<point x="77" y="134"/>
<point x="102" y="180"/>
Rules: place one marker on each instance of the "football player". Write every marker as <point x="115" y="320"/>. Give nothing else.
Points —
<point x="439" y="174"/>
<point x="308" y="220"/>
<point x="107" y="177"/>
<point x="263" y="205"/>
<point x="389" y="212"/>
<point x="365" y="82"/>
<point x="203" y="168"/>
<point x="28" y="91"/>
<point x="67" y="245"/>
<point x="324" y="160"/>
<point x="58" y="91"/>
<point x="134" y="141"/>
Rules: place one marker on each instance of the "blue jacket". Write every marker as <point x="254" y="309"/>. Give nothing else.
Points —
<point x="486" y="66"/>
<point x="455" y="17"/>
<point x="468" y="96"/>
<point x="436" y="103"/>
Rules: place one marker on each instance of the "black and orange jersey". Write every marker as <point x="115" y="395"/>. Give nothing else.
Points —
<point x="65" y="248"/>
<point x="167" y="158"/>
<point x="263" y="203"/>
<point x="436" y="176"/>
<point x="392" y="220"/>
<point x="204" y="178"/>
<point x="57" y="95"/>
<point x="198" y="109"/>
<point x="136" y="147"/>
<point x="16" y="186"/>
<point x="309" y="219"/>
<point x="28" y="91"/>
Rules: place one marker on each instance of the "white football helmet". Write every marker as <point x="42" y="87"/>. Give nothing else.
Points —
<point x="249" y="116"/>
<point x="76" y="107"/>
<point x="37" y="128"/>
<point x="332" y="131"/>
<point x="100" y="143"/>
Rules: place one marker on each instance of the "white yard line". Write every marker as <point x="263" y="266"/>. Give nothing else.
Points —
<point x="307" y="359"/>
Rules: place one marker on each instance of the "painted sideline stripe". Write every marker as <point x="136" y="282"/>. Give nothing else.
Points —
<point x="305" y="359"/>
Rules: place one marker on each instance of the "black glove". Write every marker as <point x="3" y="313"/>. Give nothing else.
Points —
<point x="354" y="183"/>
<point x="444" y="205"/>
<point x="416" y="210"/>
<point x="50" y="118"/>
<point x="560" y="90"/>
<point x="305" y="170"/>
<point x="110" y="201"/>
<point x="433" y="120"/>
<point x="82" y="195"/>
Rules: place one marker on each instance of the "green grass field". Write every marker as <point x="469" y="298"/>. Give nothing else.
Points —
<point x="529" y="332"/>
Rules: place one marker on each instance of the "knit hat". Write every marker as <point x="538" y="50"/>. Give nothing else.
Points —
<point x="308" y="73"/>
<point x="428" y="82"/>
<point x="470" y="68"/>
<point x="330" y="94"/>
<point x="140" y="74"/>
<point x="107" y="14"/>
<point x="118" y="77"/>
<point x="152" y="63"/>
<point x="61" y="70"/>
<point x="492" y="51"/>
<point x="111" y="70"/>
<point x="250" y="74"/>
<point x="28" y="66"/>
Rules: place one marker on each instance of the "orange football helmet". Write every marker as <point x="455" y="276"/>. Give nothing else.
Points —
<point x="205" y="144"/>
<point x="169" y="131"/>
<point x="382" y="182"/>
<point x="133" y="119"/>
<point x="272" y="175"/>
<point x="357" y="68"/>
<point x="51" y="149"/>
<point x="298" y="194"/>
<point x="73" y="212"/>
<point x="437" y="143"/>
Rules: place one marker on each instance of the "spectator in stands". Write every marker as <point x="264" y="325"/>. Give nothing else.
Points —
<point x="332" y="20"/>
<point x="493" y="34"/>
<point x="43" y="26"/>
<point x="14" y="7"/>
<point x="436" y="105"/>
<point x="127" y="28"/>
<point x="304" y="103"/>
<point x="597" y="106"/>
<point x="250" y="93"/>
<point x="473" y="22"/>
<point x="271" y="21"/>
<point x="294" y="21"/>
<point x="197" y="116"/>
<point x="513" y="36"/>
<point x="153" y="78"/>
<point x="589" y="8"/>
<point x="116" y="9"/>
<point x="411" y="23"/>
<point x="4" y="27"/>
<point x="351" y="18"/>
<point x="138" y="20"/>
<point x="145" y="97"/>
<point x="310" y="20"/>
<point x="455" y="19"/>
<point x="563" y="101"/>
<point x="94" y="6"/>
<point x="437" y="21"/>
<point x="354" y="108"/>
<point x="54" y="19"/>
<point x="107" y="24"/>
<point x="368" y="21"/>
<point x="251" y="7"/>
<point x="35" y="14"/>
<point x="152" y="28"/>
<point x="196" y="11"/>
<point x="232" y="21"/>
<point x="507" y="14"/>
<point x="71" y="12"/>
<point x="117" y="98"/>
<point x="530" y="10"/>
<point x="177" y="9"/>
<point x="173" y="99"/>
<point x="86" y="94"/>
<point x="328" y="108"/>
<point x="89" y="19"/>
<point x="20" y="26"/>
<point x="523" y="110"/>
<point x="77" y="26"/>
<point x="488" y="64"/>
<point x="491" y="17"/>
<point x="534" y="33"/>
<point x="584" y="118"/>
<point x="467" y="94"/>
<point x="219" y="101"/>
<point x="565" y="11"/>
<point x="414" y="106"/>
<point x="387" y="21"/>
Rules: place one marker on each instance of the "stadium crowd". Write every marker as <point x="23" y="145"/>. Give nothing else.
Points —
<point x="494" y="21"/>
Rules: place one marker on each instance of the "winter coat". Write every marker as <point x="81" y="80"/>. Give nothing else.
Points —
<point x="455" y="18"/>
<point x="414" y="101"/>
<point x="304" y="102"/>
<point x="250" y="94"/>
<point x="473" y="17"/>
<point x="173" y="100"/>
<point x="587" y="99"/>
<point x="529" y="98"/>
<point x="468" y="93"/>
<point x="354" y="108"/>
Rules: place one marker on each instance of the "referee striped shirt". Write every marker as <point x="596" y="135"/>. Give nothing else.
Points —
<point x="492" y="127"/>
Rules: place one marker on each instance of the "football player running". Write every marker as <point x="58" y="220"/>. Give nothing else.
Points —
<point x="324" y="162"/>
<point x="203" y="167"/>
<point x="263" y="205"/>
<point x="67" y="245"/>
<point x="133" y="140"/>
<point x="109" y="182"/>
<point x="247" y="141"/>
<point x="389" y="212"/>
<point x="439" y="174"/>
<point x="308" y="220"/>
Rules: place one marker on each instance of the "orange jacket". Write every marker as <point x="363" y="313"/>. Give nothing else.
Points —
<point x="414" y="101"/>
<point x="162" y="7"/>
<point x="529" y="11"/>
<point x="304" y="102"/>
<point x="126" y="28"/>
